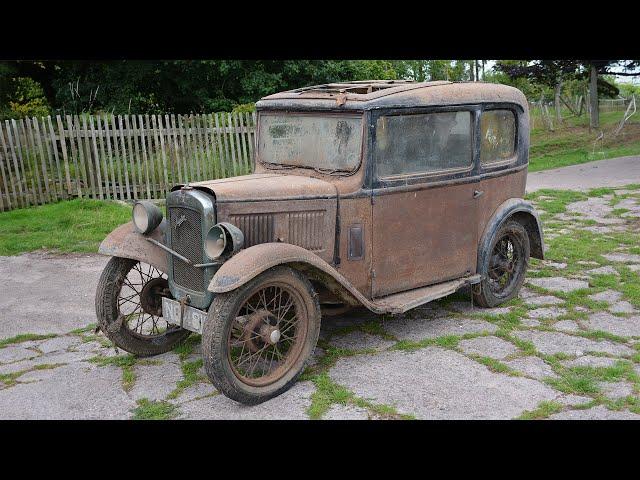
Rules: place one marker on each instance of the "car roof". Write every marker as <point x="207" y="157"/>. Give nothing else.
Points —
<point x="369" y="94"/>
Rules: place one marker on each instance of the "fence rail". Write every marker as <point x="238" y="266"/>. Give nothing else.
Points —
<point x="122" y="157"/>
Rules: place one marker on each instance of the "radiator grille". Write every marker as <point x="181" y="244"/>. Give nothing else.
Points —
<point x="186" y="239"/>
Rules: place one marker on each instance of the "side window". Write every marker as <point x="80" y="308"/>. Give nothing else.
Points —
<point x="498" y="133"/>
<point x="423" y="143"/>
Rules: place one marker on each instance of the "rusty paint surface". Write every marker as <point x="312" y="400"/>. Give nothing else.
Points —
<point x="423" y="236"/>
<point x="125" y="242"/>
<point x="496" y="191"/>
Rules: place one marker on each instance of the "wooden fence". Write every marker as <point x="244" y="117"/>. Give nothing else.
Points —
<point x="122" y="157"/>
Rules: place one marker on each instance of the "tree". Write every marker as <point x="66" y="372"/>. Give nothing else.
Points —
<point x="551" y="73"/>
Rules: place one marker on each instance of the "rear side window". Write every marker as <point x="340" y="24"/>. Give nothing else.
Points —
<point x="498" y="133"/>
<point x="424" y="143"/>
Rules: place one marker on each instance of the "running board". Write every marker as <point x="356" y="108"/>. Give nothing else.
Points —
<point x="401" y="302"/>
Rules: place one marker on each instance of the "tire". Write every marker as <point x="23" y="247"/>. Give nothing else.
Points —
<point x="113" y="324"/>
<point x="489" y="293"/>
<point x="235" y="321"/>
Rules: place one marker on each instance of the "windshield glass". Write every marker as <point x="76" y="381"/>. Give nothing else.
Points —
<point x="320" y="141"/>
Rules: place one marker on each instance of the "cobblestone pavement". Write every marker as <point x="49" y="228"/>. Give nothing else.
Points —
<point x="567" y="348"/>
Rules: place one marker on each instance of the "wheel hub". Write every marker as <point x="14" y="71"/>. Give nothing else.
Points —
<point x="151" y="296"/>
<point x="260" y="329"/>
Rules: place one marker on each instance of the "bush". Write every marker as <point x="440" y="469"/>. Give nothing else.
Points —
<point x="244" y="108"/>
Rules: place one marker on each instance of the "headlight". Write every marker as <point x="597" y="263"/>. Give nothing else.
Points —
<point x="223" y="238"/>
<point x="146" y="216"/>
<point x="216" y="242"/>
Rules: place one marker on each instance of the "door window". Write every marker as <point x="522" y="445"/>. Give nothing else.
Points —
<point x="423" y="143"/>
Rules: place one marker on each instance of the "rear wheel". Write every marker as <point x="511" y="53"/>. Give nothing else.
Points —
<point x="258" y="338"/>
<point x="506" y="265"/>
<point x="129" y="308"/>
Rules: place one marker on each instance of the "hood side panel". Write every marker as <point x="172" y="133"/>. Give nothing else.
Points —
<point x="309" y="224"/>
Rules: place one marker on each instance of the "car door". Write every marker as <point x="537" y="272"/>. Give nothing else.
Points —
<point x="424" y="197"/>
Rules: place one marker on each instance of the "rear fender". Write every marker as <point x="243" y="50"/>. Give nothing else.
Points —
<point x="524" y="213"/>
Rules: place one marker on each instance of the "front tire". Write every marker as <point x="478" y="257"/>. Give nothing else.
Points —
<point x="505" y="265"/>
<point x="129" y="308"/>
<point x="258" y="338"/>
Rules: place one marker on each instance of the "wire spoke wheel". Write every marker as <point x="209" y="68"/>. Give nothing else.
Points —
<point x="505" y="265"/>
<point x="267" y="334"/>
<point x="140" y="300"/>
<point x="129" y="308"/>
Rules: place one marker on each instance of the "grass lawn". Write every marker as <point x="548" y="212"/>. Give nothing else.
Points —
<point x="72" y="226"/>
<point x="571" y="143"/>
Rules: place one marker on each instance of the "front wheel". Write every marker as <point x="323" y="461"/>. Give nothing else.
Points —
<point x="258" y="338"/>
<point x="129" y="308"/>
<point x="506" y="265"/>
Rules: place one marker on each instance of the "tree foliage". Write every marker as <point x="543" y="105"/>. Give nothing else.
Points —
<point x="122" y="86"/>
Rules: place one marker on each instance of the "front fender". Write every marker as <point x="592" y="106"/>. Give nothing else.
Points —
<point x="522" y="211"/>
<point x="126" y="242"/>
<point x="252" y="261"/>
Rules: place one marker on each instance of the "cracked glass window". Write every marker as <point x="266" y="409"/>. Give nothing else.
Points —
<point x="424" y="143"/>
<point x="498" y="131"/>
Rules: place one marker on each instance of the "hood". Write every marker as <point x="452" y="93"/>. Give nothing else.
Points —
<point x="266" y="186"/>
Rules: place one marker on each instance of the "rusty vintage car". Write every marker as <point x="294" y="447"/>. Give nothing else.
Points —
<point x="382" y="194"/>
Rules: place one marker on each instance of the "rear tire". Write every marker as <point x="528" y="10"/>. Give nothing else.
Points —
<point x="111" y="312"/>
<point x="505" y="266"/>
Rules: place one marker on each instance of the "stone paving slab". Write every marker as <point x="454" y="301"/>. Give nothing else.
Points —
<point x="559" y="284"/>
<point x="595" y="413"/>
<point x="346" y="412"/>
<point x="415" y="329"/>
<point x="552" y="342"/>
<point x="41" y="300"/>
<point x="434" y="383"/>
<point x="533" y="367"/>
<point x="360" y="341"/>
<point x="606" y="322"/>
<point x="492" y="347"/>
<point x="291" y="405"/>
<point x="74" y="391"/>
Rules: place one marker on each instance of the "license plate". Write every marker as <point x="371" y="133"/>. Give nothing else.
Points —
<point x="191" y="318"/>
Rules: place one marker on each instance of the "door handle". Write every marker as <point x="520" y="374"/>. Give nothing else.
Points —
<point x="477" y="193"/>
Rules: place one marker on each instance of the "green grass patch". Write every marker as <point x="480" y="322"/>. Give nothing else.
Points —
<point x="154" y="410"/>
<point x="543" y="410"/>
<point x="189" y="377"/>
<point x="69" y="226"/>
<point x="25" y="337"/>
<point x="125" y="362"/>
<point x="186" y="347"/>
<point x="329" y="393"/>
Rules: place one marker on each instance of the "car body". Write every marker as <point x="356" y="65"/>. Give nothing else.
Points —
<point x="386" y="194"/>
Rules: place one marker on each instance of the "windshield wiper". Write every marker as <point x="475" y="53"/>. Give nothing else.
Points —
<point x="324" y="171"/>
<point x="278" y="166"/>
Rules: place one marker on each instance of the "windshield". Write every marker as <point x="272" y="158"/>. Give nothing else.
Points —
<point x="323" y="142"/>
